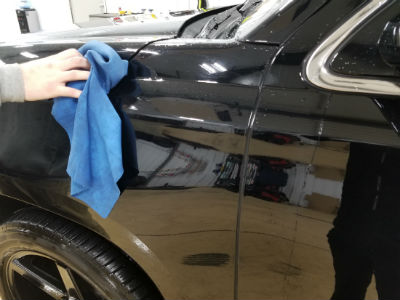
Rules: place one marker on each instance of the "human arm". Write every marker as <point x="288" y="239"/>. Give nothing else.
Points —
<point x="43" y="78"/>
<point x="11" y="84"/>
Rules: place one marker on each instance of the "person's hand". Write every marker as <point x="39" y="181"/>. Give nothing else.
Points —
<point x="46" y="78"/>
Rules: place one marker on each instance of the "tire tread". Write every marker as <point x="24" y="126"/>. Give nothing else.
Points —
<point x="116" y="264"/>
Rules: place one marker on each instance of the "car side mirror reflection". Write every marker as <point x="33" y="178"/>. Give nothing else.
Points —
<point x="389" y="43"/>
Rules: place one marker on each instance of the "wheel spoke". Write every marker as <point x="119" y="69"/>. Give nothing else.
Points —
<point x="69" y="283"/>
<point x="37" y="280"/>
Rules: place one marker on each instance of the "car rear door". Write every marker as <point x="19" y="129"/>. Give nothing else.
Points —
<point x="324" y="147"/>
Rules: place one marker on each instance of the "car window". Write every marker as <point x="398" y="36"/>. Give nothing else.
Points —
<point x="225" y="24"/>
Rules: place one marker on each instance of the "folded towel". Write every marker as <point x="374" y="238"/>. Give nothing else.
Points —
<point x="94" y="129"/>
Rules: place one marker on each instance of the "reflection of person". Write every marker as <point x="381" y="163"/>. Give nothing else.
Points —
<point x="43" y="78"/>
<point x="365" y="240"/>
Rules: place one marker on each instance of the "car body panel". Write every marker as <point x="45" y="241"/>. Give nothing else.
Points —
<point x="151" y="31"/>
<point x="211" y="112"/>
<point x="192" y="126"/>
<point x="302" y="135"/>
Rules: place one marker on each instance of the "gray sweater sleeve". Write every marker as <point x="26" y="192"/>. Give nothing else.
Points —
<point x="11" y="84"/>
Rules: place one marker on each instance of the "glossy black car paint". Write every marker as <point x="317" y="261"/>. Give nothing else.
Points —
<point x="207" y="101"/>
<point x="161" y="88"/>
<point x="369" y="52"/>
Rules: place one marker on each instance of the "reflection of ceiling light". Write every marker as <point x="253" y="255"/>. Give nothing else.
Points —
<point x="141" y="245"/>
<point x="219" y="67"/>
<point x="191" y="119"/>
<point x="150" y="52"/>
<point x="141" y="51"/>
<point x="208" y="68"/>
<point x="29" y="55"/>
<point x="214" y="68"/>
<point x="130" y="50"/>
<point x="151" y="79"/>
<point x="207" y="81"/>
<point x="395" y="127"/>
<point x="133" y="107"/>
<point x="23" y="46"/>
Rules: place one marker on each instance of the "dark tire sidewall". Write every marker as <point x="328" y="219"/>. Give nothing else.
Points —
<point x="15" y="238"/>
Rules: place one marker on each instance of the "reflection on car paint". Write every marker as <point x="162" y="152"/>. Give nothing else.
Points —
<point x="178" y="218"/>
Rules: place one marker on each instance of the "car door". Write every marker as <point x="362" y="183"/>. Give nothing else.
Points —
<point x="190" y="121"/>
<point x="323" y="155"/>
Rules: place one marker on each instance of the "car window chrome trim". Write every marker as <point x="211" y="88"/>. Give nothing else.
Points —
<point x="317" y="70"/>
<point x="263" y="13"/>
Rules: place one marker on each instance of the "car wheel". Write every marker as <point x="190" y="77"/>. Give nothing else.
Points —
<point x="43" y="256"/>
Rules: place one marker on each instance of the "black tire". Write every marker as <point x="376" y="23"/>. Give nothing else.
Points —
<point x="43" y="256"/>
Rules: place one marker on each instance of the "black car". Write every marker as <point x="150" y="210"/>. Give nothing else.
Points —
<point x="250" y="121"/>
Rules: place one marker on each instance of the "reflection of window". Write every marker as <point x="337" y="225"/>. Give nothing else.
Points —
<point x="221" y="3"/>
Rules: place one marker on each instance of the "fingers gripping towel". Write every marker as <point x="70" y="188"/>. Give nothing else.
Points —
<point x="94" y="130"/>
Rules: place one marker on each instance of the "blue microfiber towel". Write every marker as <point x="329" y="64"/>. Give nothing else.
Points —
<point x="94" y="128"/>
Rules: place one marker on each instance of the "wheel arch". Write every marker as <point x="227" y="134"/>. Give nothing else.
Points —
<point x="138" y="252"/>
